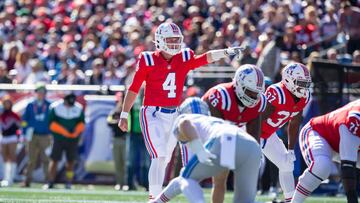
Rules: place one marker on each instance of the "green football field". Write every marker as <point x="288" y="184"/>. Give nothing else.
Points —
<point x="90" y="193"/>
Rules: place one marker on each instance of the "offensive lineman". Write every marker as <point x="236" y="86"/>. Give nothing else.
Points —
<point x="241" y="101"/>
<point x="286" y="101"/>
<point x="321" y="139"/>
<point x="164" y="72"/>
<point x="218" y="146"/>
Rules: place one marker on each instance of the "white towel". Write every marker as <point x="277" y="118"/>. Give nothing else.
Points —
<point x="227" y="155"/>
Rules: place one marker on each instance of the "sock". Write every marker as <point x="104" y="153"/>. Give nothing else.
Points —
<point x="171" y="191"/>
<point x="156" y="176"/>
<point x="7" y="171"/>
<point x="287" y="184"/>
<point x="12" y="172"/>
<point x="69" y="176"/>
<point x="192" y="191"/>
<point x="307" y="183"/>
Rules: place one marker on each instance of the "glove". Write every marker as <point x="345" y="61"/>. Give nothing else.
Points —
<point x="291" y="156"/>
<point x="231" y="51"/>
<point x="205" y="157"/>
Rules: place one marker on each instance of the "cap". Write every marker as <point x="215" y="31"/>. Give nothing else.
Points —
<point x="40" y="86"/>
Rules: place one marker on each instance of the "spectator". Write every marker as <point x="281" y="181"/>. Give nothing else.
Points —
<point x="38" y="74"/>
<point x="329" y="27"/>
<point x="4" y="77"/>
<point x="36" y="121"/>
<point x="96" y="77"/>
<point x="269" y="60"/>
<point x="10" y="125"/>
<point x="22" y="66"/>
<point x="66" y="125"/>
<point x="331" y="55"/>
<point x="351" y="27"/>
<point x="137" y="156"/>
<point x="356" y="57"/>
<point x="10" y="55"/>
<point x="119" y="143"/>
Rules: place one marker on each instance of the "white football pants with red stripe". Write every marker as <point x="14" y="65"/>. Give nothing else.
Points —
<point x="160" y="143"/>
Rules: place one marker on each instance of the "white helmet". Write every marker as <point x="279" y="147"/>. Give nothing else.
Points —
<point x="168" y="30"/>
<point x="296" y="78"/>
<point x="249" y="84"/>
<point x="194" y="105"/>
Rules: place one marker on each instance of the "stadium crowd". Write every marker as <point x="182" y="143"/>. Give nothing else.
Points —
<point x="97" y="42"/>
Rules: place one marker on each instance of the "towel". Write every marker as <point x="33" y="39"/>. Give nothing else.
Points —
<point x="227" y="154"/>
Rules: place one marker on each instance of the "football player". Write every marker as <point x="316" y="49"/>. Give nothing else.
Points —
<point x="324" y="138"/>
<point x="218" y="146"/>
<point x="241" y="101"/>
<point x="286" y="101"/>
<point x="164" y="72"/>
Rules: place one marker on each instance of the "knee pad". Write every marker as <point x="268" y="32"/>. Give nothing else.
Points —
<point x="321" y="167"/>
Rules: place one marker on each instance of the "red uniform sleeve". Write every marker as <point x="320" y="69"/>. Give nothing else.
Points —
<point x="353" y="123"/>
<point x="140" y="75"/>
<point x="272" y="96"/>
<point x="196" y="61"/>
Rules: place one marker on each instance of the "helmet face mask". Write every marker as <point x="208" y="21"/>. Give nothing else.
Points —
<point x="249" y="84"/>
<point x="297" y="79"/>
<point x="168" y="38"/>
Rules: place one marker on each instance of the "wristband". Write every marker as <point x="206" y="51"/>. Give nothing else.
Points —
<point x="124" y="115"/>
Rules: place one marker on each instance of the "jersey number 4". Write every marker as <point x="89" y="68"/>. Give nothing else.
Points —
<point x="170" y="85"/>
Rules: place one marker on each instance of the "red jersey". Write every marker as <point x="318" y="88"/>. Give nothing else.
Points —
<point x="224" y="99"/>
<point x="285" y="108"/>
<point x="164" y="79"/>
<point x="328" y="125"/>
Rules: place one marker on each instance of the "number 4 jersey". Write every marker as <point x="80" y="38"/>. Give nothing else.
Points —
<point x="164" y="79"/>
<point x="285" y="108"/>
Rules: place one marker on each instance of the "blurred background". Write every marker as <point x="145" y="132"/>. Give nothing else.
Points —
<point x="90" y="47"/>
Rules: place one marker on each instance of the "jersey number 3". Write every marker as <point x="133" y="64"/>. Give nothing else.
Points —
<point x="170" y="85"/>
<point x="282" y="116"/>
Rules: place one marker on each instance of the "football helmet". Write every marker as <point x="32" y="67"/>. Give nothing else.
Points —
<point x="194" y="105"/>
<point x="296" y="78"/>
<point x="249" y="84"/>
<point x="162" y="41"/>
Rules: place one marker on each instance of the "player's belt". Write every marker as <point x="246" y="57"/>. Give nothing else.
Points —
<point x="165" y="110"/>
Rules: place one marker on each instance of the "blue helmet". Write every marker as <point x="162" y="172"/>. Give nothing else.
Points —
<point x="194" y="105"/>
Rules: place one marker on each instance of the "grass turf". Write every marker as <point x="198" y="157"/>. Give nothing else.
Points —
<point x="90" y="193"/>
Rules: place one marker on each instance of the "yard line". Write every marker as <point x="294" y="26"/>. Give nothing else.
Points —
<point x="10" y="200"/>
<point x="74" y="191"/>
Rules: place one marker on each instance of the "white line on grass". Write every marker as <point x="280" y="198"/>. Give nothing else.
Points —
<point x="57" y="191"/>
<point x="13" y="200"/>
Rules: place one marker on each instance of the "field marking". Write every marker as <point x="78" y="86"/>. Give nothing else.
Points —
<point x="73" y="191"/>
<point x="9" y="200"/>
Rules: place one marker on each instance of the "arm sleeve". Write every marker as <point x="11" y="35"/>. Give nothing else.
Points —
<point x="196" y="61"/>
<point x="140" y="75"/>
